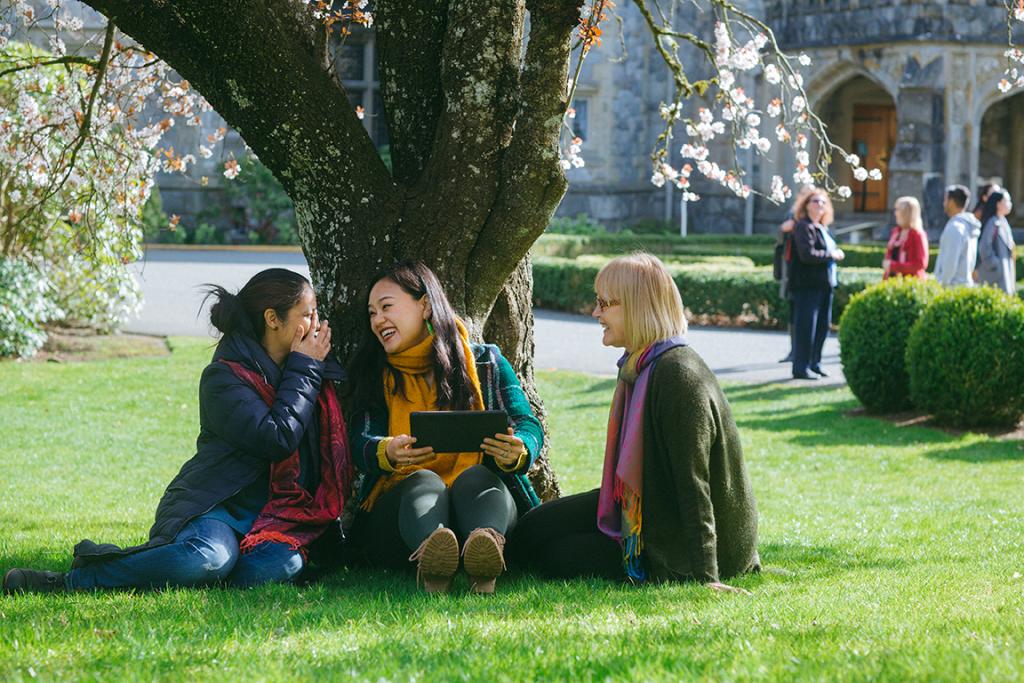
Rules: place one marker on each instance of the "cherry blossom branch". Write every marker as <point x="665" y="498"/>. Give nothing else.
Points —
<point x="730" y="56"/>
<point x="1013" y="76"/>
<point x="69" y="59"/>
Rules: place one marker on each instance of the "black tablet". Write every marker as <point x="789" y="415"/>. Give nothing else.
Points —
<point x="456" y="431"/>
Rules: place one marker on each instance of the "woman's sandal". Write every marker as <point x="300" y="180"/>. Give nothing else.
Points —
<point x="438" y="560"/>
<point x="484" y="559"/>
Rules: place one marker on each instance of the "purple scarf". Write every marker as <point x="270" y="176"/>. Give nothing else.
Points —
<point x="619" y="505"/>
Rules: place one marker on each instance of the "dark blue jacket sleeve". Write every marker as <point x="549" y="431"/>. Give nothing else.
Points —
<point x="233" y="410"/>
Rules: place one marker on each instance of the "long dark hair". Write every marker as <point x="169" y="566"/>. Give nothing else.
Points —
<point x="276" y="288"/>
<point x="992" y="205"/>
<point x="984" y="192"/>
<point x="370" y="362"/>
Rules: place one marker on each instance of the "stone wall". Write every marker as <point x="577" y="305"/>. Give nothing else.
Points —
<point x="806" y="23"/>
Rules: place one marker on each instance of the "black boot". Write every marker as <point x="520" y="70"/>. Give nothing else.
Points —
<point x="33" y="581"/>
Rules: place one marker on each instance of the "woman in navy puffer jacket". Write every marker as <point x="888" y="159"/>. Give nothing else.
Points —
<point x="272" y="461"/>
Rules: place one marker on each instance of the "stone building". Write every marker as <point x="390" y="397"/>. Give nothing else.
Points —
<point x="909" y="85"/>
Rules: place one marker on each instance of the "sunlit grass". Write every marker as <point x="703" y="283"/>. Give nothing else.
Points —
<point x="900" y="548"/>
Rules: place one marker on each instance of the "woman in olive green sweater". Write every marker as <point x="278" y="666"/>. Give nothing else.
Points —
<point x="675" y="501"/>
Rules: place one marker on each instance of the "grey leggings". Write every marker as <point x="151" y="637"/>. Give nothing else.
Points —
<point x="404" y="516"/>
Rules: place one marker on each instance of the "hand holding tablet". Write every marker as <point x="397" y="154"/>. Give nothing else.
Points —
<point x="401" y="452"/>
<point x="505" y="448"/>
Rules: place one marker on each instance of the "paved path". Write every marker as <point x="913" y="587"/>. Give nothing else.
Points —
<point x="171" y="282"/>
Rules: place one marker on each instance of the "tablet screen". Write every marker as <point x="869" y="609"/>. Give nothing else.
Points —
<point x="456" y="431"/>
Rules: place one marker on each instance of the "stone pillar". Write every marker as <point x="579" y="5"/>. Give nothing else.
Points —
<point x="961" y="129"/>
<point x="918" y="166"/>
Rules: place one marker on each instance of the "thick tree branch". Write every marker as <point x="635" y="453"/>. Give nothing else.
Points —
<point x="480" y="79"/>
<point x="533" y="182"/>
<point x="410" y="37"/>
<point x="280" y="97"/>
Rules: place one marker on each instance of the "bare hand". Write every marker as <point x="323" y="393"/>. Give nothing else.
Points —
<point x="725" y="588"/>
<point x="788" y="225"/>
<point x="506" y="449"/>
<point x="315" y="343"/>
<point x="838" y="254"/>
<point x="400" y="452"/>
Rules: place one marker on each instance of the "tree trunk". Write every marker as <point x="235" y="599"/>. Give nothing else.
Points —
<point x="474" y="121"/>
<point x="510" y="326"/>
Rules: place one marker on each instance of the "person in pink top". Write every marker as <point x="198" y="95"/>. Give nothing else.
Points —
<point x="907" y="251"/>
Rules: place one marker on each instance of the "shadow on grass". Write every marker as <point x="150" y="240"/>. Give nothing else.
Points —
<point x="990" y="451"/>
<point x="828" y="426"/>
<point x="772" y="392"/>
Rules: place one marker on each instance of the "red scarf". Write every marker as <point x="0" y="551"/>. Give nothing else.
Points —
<point x="292" y="515"/>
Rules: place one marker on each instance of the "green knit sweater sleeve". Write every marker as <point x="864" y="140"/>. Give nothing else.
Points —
<point x="683" y="408"/>
<point x="526" y="426"/>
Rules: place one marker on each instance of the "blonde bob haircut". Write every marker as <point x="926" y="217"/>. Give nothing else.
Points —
<point x="651" y="306"/>
<point x="908" y="213"/>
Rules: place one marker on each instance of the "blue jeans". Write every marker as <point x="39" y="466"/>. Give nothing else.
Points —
<point x="812" y="315"/>
<point x="204" y="552"/>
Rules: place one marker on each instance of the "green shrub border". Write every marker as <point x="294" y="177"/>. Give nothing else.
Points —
<point x="710" y="293"/>
<point x="759" y="248"/>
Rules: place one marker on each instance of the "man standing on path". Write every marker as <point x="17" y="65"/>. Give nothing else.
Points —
<point x="958" y="247"/>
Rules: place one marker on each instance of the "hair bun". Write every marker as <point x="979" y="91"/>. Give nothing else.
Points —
<point x="224" y="311"/>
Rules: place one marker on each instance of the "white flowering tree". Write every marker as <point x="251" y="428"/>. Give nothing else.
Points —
<point x="78" y="156"/>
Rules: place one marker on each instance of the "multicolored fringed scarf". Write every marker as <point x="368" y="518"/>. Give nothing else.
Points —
<point x="293" y="515"/>
<point x="620" y="505"/>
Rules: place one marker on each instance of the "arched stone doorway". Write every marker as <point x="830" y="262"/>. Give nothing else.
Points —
<point x="1001" y="148"/>
<point x="861" y="118"/>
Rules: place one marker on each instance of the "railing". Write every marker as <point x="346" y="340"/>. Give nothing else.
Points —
<point x="855" y="230"/>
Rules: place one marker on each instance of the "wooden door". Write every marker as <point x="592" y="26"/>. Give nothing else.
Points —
<point x="874" y="136"/>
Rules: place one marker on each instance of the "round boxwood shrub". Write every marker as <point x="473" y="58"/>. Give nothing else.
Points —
<point x="873" y="335"/>
<point x="965" y="357"/>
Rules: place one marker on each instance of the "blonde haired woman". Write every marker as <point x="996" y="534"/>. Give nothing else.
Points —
<point x="907" y="251"/>
<point x="675" y="501"/>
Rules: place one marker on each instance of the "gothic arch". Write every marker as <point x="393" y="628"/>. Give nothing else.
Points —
<point x="999" y="143"/>
<point x="834" y="76"/>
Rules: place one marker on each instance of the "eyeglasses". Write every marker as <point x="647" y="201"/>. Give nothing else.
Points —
<point x="819" y="200"/>
<point x="602" y="304"/>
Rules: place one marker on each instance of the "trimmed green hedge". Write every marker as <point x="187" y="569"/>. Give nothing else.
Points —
<point x="758" y="248"/>
<point x="711" y="293"/>
<point x="965" y="358"/>
<point x="873" y="340"/>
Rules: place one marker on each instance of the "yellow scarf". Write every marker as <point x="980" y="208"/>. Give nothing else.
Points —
<point x="416" y="366"/>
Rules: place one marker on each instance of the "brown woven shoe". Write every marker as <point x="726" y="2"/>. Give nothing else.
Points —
<point x="484" y="559"/>
<point x="438" y="558"/>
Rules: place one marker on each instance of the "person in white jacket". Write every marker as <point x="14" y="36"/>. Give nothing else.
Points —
<point x="958" y="247"/>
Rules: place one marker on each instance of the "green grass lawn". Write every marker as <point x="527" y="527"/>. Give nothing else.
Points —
<point x="903" y="550"/>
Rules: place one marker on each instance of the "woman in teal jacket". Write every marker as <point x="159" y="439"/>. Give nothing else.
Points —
<point x="416" y="356"/>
